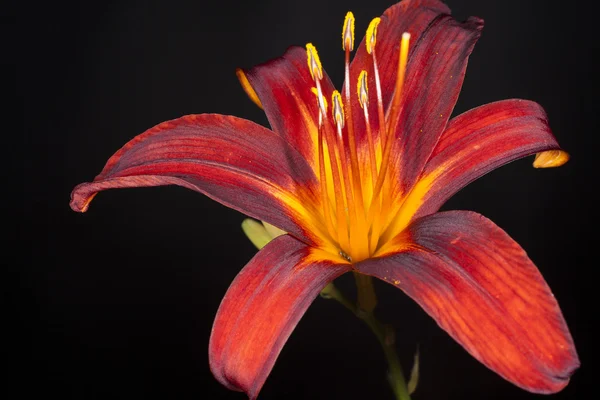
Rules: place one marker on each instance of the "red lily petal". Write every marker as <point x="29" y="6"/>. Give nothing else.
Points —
<point x="480" y="141"/>
<point x="412" y="16"/>
<point x="434" y="77"/>
<point x="261" y="309"/>
<point x="481" y="287"/>
<point x="236" y="162"/>
<point x="283" y="86"/>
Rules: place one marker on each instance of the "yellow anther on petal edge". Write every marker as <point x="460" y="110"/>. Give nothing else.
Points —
<point x="550" y="159"/>
<point x="314" y="63"/>
<point x="371" y="36"/>
<point x="362" y="89"/>
<point x="338" y="108"/>
<point x="348" y="32"/>
<point x="247" y="87"/>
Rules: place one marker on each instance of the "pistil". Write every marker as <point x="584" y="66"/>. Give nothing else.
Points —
<point x="388" y="129"/>
<point x="347" y="183"/>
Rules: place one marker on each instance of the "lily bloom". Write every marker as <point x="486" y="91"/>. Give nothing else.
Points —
<point x="355" y="179"/>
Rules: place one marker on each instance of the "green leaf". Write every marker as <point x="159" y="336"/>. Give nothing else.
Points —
<point x="256" y="232"/>
<point x="414" y="374"/>
<point x="273" y="230"/>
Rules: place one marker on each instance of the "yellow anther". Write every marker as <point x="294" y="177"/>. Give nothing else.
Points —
<point x="371" y="36"/>
<point x="550" y="159"/>
<point x="348" y="32"/>
<point x="314" y="64"/>
<point x="321" y="99"/>
<point x="362" y="89"/>
<point x="248" y="87"/>
<point x="338" y="108"/>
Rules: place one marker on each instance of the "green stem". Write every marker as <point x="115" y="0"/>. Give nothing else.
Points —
<point x="384" y="334"/>
<point x="366" y="300"/>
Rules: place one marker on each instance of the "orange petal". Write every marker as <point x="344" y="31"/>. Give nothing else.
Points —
<point x="412" y="16"/>
<point x="434" y="76"/>
<point x="481" y="288"/>
<point x="483" y="139"/>
<point x="236" y="162"/>
<point x="261" y="309"/>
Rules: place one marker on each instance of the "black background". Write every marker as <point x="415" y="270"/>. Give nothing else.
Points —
<point x="119" y="302"/>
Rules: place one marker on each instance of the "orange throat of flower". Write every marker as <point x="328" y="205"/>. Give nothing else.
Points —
<point x="355" y="214"/>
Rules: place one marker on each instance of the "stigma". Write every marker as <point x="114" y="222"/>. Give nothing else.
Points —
<point x="355" y="179"/>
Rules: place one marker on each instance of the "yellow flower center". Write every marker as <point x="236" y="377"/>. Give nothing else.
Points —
<point x="356" y="184"/>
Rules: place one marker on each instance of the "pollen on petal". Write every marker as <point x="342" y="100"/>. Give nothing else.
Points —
<point x="314" y="63"/>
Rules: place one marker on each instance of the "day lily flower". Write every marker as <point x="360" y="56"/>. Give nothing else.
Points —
<point x="356" y="178"/>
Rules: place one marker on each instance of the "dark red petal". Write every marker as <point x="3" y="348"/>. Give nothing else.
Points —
<point x="480" y="141"/>
<point x="283" y="86"/>
<point x="480" y="286"/>
<point x="434" y="77"/>
<point x="261" y="309"/>
<point x="234" y="161"/>
<point x="412" y="16"/>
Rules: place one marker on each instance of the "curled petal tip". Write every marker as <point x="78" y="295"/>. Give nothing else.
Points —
<point x="81" y="198"/>
<point x="550" y="159"/>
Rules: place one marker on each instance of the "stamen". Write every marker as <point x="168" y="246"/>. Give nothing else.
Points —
<point x="338" y="109"/>
<point x="348" y="32"/>
<point x="323" y="180"/>
<point x="377" y="204"/>
<point x="354" y="173"/>
<point x="338" y="187"/>
<point x="314" y="63"/>
<point x="363" y="99"/>
<point x="362" y="90"/>
<point x="321" y="100"/>
<point x="352" y="227"/>
<point x="316" y="71"/>
<point x="338" y="116"/>
<point x="371" y="36"/>
<point x="371" y="39"/>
